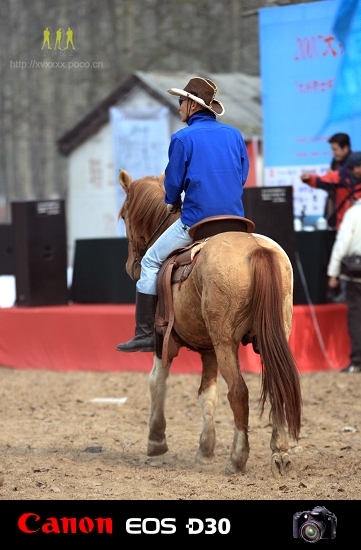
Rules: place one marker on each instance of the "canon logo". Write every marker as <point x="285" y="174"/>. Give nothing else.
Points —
<point x="32" y="523"/>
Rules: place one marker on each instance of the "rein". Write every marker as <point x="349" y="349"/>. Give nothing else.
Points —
<point x="143" y="250"/>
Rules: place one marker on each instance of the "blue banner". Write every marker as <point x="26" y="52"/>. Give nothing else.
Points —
<point x="346" y="100"/>
<point x="301" y="58"/>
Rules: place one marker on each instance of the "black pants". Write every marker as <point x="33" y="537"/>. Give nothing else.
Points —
<point x="353" y="300"/>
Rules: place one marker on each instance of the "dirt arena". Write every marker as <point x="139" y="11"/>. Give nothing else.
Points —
<point x="57" y="444"/>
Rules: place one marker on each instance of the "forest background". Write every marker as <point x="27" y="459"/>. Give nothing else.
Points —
<point x="45" y="92"/>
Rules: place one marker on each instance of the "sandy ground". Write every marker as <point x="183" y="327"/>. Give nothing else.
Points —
<point x="56" y="444"/>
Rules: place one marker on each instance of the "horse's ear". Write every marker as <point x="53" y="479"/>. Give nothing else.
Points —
<point x="160" y="178"/>
<point x="125" y="180"/>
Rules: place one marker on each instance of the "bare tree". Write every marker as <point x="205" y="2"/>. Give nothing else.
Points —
<point x="39" y="103"/>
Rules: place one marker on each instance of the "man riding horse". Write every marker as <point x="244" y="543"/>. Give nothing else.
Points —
<point x="208" y="162"/>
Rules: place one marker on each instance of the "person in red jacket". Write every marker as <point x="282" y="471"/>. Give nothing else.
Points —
<point x="341" y="150"/>
<point x="344" y="182"/>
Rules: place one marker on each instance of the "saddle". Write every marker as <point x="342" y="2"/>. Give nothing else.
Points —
<point x="177" y="268"/>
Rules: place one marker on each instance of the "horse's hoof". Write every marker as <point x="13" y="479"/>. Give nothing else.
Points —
<point x="204" y="459"/>
<point x="232" y="468"/>
<point x="156" y="448"/>
<point x="281" y="465"/>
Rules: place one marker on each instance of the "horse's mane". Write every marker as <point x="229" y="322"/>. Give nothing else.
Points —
<point x="146" y="206"/>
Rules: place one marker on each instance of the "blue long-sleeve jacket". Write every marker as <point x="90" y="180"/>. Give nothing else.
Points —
<point x="208" y="161"/>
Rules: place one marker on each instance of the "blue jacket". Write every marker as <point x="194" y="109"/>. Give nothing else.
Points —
<point x="208" y="161"/>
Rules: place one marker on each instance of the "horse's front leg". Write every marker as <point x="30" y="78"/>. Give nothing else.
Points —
<point x="157" y="381"/>
<point x="239" y="401"/>
<point x="281" y="464"/>
<point x="208" y="398"/>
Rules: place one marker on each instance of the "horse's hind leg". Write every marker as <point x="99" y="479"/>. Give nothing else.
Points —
<point x="208" y="398"/>
<point x="238" y="400"/>
<point x="157" y="381"/>
<point x="280" y="461"/>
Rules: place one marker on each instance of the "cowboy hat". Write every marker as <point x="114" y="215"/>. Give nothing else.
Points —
<point x="201" y="90"/>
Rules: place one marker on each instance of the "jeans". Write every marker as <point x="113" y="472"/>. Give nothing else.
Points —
<point x="176" y="236"/>
<point x="353" y="300"/>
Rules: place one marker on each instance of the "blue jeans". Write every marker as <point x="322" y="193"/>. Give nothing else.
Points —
<point x="176" y="236"/>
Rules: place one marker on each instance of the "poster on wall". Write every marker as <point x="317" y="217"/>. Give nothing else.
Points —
<point x="140" y="141"/>
<point x="300" y="60"/>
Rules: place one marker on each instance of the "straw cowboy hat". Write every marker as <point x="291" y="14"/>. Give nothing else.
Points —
<point x="201" y="90"/>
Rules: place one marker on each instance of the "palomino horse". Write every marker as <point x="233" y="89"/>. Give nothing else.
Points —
<point x="241" y="283"/>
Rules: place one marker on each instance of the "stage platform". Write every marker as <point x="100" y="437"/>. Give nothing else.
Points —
<point x="85" y="337"/>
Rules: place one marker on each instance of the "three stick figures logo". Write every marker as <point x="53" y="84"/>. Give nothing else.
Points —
<point x="62" y="40"/>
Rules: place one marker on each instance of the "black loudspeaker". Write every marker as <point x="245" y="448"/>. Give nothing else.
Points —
<point x="6" y="249"/>
<point x="40" y="254"/>
<point x="99" y="274"/>
<point x="271" y="210"/>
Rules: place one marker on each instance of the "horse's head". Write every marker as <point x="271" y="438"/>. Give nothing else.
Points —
<point x="145" y="216"/>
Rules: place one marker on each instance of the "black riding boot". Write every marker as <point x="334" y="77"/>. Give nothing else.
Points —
<point x="144" y="339"/>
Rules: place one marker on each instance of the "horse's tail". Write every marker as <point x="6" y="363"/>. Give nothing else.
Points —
<point x="280" y="380"/>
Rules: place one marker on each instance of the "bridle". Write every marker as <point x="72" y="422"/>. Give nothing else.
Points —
<point x="140" y="252"/>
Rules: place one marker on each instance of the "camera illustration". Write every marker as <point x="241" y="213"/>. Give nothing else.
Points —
<point x="314" y="525"/>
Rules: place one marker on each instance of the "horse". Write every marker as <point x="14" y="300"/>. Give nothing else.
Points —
<point x="241" y="284"/>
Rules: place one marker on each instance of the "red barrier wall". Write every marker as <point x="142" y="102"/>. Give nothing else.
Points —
<point x="84" y="337"/>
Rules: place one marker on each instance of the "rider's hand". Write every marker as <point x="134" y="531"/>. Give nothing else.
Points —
<point x="173" y="207"/>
